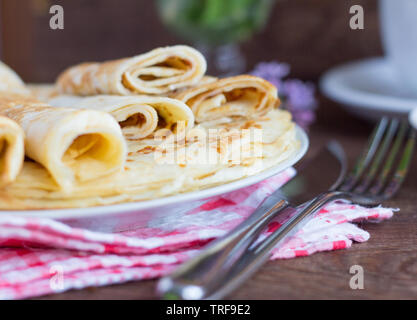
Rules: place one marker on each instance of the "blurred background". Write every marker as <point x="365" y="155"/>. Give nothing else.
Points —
<point x="310" y="35"/>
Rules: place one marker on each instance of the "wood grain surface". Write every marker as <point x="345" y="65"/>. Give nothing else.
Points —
<point x="389" y="258"/>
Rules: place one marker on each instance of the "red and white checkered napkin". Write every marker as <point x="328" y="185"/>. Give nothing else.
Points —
<point x="42" y="256"/>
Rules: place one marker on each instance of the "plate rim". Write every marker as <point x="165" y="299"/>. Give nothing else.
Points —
<point x="88" y="212"/>
<point x="333" y="88"/>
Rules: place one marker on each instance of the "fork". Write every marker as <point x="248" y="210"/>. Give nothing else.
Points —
<point x="375" y="178"/>
<point x="377" y="175"/>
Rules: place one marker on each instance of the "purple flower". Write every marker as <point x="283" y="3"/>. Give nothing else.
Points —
<point x="297" y="96"/>
<point x="303" y="118"/>
<point x="272" y="72"/>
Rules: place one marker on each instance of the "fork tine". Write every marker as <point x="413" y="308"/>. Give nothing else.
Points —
<point x="379" y="157"/>
<point x="389" y="163"/>
<point x="403" y="166"/>
<point x="366" y="156"/>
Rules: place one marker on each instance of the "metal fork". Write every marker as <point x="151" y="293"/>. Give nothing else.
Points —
<point x="380" y="170"/>
<point x="376" y="177"/>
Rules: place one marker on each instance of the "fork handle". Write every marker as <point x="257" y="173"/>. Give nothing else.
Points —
<point x="216" y="273"/>
<point x="194" y="278"/>
<point x="258" y="254"/>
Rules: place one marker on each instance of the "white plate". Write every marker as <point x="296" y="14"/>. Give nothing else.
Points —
<point x="369" y="88"/>
<point x="133" y="215"/>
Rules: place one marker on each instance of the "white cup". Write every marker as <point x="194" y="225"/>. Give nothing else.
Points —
<point x="412" y="117"/>
<point x="399" y="36"/>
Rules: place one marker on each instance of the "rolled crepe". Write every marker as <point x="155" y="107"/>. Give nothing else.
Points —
<point x="244" y="96"/>
<point x="139" y="116"/>
<point x="12" y="150"/>
<point x="10" y="81"/>
<point x="73" y="145"/>
<point x="154" y="73"/>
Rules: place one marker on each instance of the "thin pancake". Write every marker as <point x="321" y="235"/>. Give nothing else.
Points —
<point x="244" y="96"/>
<point x="155" y="170"/>
<point x="139" y="116"/>
<point x="73" y="145"/>
<point x="154" y="73"/>
<point x="42" y="91"/>
<point x="12" y="150"/>
<point x="10" y="82"/>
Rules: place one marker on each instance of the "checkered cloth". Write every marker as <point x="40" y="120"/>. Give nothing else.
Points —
<point x="41" y="256"/>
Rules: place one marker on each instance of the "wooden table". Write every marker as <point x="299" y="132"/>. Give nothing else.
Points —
<point x="389" y="258"/>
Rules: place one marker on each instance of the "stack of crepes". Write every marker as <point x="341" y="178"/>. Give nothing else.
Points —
<point x="134" y="129"/>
